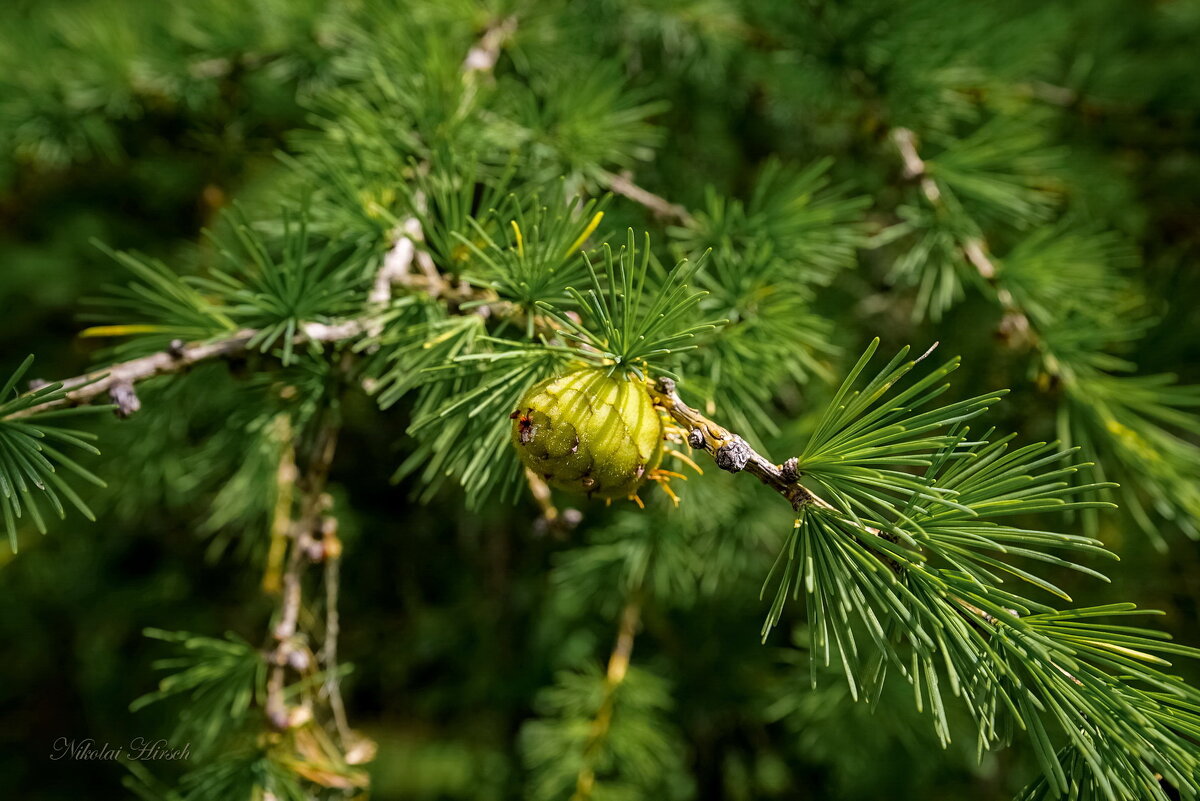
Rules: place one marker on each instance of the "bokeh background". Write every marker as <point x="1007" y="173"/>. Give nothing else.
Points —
<point x="136" y="123"/>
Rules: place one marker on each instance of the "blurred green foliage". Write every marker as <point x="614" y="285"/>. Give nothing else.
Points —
<point x="1066" y="134"/>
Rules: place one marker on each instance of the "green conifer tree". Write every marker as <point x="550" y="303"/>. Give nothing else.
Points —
<point x="565" y="270"/>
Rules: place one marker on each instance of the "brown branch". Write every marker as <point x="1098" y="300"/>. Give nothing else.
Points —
<point x="733" y="454"/>
<point x="118" y="379"/>
<point x="89" y="387"/>
<point x="116" y="382"/>
<point x="332" y="554"/>
<point x="730" y="451"/>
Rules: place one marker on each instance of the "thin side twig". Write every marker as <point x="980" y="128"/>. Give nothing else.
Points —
<point x="483" y="56"/>
<point x="623" y="185"/>
<point x="90" y="387"/>
<point x="1015" y="325"/>
<point x="552" y="519"/>
<point x="98" y="384"/>
<point x="618" y="668"/>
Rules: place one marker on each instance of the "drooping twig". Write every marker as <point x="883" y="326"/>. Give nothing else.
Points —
<point x="396" y="268"/>
<point x="307" y="534"/>
<point x="332" y="553"/>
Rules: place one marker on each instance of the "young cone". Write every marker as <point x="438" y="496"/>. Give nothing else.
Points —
<point x="589" y="432"/>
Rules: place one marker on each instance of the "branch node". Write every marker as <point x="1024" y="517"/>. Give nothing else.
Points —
<point x="314" y="550"/>
<point x="733" y="455"/>
<point x="484" y="55"/>
<point x="278" y="718"/>
<point x="695" y="439"/>
<point x="125" y="397"/>
<point x="299" y="660"/>
<point x="299" y="716"/>
<point x="791" y="470"/>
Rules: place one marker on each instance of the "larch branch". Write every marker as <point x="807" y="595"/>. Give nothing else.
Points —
<point x="117" y="381"/>
<point x="734" y="455"/>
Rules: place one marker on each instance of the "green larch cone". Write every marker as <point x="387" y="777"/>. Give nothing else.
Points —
<point x="589" y="432"/>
